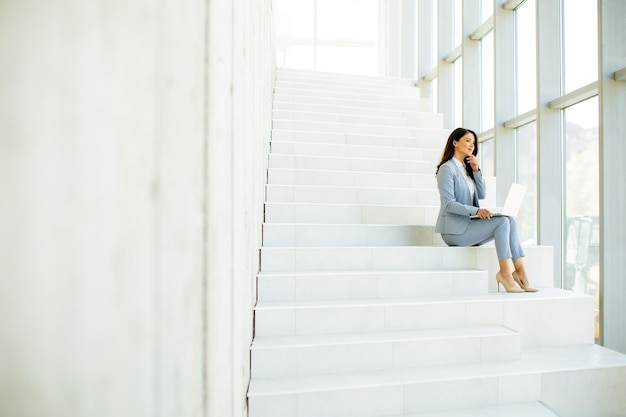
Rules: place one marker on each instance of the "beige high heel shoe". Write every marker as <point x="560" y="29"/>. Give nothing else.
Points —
<point x="522" y="286"/>
<point x="505" y="285"/>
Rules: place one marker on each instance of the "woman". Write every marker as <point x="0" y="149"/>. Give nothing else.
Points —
<point x="461" y="185"/>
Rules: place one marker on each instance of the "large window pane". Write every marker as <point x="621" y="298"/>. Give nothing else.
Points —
<point x="487" y="82"/>
<point x="486" y="9"/>
<point x="295" y="56"/>
<point x="458" y="92"/>
<point x="435" y="36"/>
<point x="434" y="94"/>
<point x="526" y="141"/>
<point x="582" y="200"/>
<point x="335" y="20"/>
<point x="293" y="23"/>
<point x="580" y="29"/>
<point x="325" y="35"/>
<point x="487" y="157"/>
<point x="458" y="22"/>
<point x="526" y="57"/>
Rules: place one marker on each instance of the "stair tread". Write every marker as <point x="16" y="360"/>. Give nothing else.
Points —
<point x="346" y="124"/>
<point x="343" y="171"/>
<point x="435" y="145"/>
<point x="321" y="113"/>
<point x="398" y="149"/>
<point x="355" y="204"/>
<point x="341" y="157"/>
<point x="527" y="409"/>
<point x="346" y="224"/>
<point x="350" y="187"/>
<point x="533" y="361"/>
<point x="542" y="294"/>
<point x="265" y="342"/>
<point x="370" y="272"/>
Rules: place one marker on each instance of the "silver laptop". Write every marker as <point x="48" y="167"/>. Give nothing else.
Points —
<point x="512" y="203"/>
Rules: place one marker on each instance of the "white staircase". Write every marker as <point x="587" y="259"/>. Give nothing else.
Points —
<point x="363" y="312"/>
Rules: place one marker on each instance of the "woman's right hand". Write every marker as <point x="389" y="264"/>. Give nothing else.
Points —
<point x="484" y="213"/>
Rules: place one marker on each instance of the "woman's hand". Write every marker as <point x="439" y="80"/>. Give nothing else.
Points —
<point x="484" y="213"/>
<point x="473" y="161"/>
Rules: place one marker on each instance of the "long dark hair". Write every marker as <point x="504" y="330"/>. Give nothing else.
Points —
<point x="448" y="151"/>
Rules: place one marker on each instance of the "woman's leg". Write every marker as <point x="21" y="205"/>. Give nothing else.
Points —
<point x="482" y="231"/>
<point x="485" y="230"/>
<point x="519" y="274"/>
<point x="514" y="241"/>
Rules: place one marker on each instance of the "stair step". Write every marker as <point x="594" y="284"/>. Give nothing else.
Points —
<point x="321" y="77"/>
<point x="350" y="178"/>
<point x="364" y="258"/>
<point x="413" y="119"/>
<point x="350" y="128"/>
<point x="534" y="409"/>
<point x="342" y="178"/>
<point x="284" y="234"/>
<point x="563" y="378"/>
<point x="357" y="151"/>
<point x="548" y="317"/>
<point x="369" y="285"/>
<point x="324" y="163"/>
<point x="354" y="109"/>
<point x="527" y="409"/>
<point x="304" y="88"/>
<point x="350" y="214"/>
<point x="354" y="93"/>
<point x="372" y="102"/>
<point x="423" y="138"/>
<point x="325" y="354"/>
<point x="276" y="193"/>
<point x="337" y="80"/>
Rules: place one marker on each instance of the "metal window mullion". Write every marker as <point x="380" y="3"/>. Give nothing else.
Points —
<point x="521" y="120"/>
<point x="482" y="30"/>
<point x="575" y="97"/>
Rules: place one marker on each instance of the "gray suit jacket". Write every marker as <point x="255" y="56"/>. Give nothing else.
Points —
<point x="456" y="201"/>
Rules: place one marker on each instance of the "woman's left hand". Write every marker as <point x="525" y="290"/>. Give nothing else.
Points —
<point x="484" y="213"/>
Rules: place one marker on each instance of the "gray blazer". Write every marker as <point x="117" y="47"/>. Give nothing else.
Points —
<point x="456" y="201"/>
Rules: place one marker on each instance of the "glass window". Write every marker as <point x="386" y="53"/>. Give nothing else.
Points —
<point x="295" y="56"/>
<point x="580" y="39"/>
<point x="335" y="20"/>
<point x="293" y="23"/>
<point x="458" y="22"/>
<point x="486" y="9"/>
<point x="328" y="37"/>
<point x="435" y="37"/>
<point x="458" y="92"/>
<point x="582" y="200"/>
<point x="434" y="94"/>
<point x="487" y="157"/>
<point x="526" y="57"/>
<point x="526" y="143"/>
<point x="487" y="82"/>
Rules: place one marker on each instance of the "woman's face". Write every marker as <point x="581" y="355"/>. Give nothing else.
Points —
<point x="464" y="146"/>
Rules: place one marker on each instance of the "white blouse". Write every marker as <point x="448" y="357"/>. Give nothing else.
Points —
<point x="468" y="179"/>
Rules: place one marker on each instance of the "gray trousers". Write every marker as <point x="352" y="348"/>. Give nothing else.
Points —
<point x="502" y="229"/>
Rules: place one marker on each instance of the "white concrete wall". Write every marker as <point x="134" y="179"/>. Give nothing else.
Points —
<point x="133" y="139"/>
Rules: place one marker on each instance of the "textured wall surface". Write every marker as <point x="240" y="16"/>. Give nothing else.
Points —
<point x="133" y="148"/>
